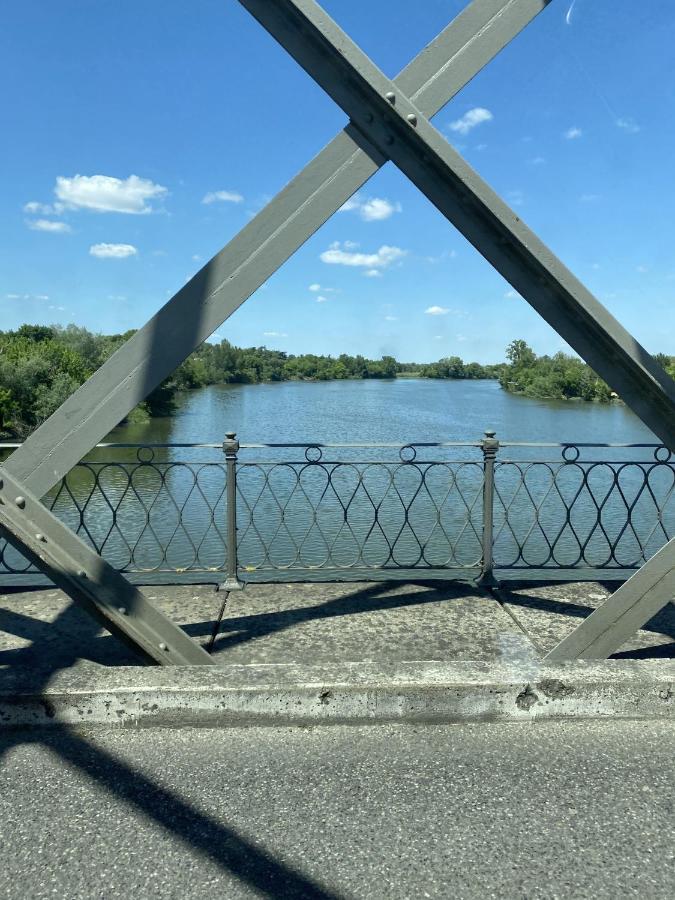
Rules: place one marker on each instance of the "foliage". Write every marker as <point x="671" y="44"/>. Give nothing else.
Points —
<point x="40" y="366"/>
<point x="558" y="377"/>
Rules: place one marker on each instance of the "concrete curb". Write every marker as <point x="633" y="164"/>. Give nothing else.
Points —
<point x="356" y="693"/>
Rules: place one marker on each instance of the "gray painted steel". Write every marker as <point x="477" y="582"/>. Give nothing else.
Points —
<point x="214" y="293"/>
<point x="90" y="581"/>
<point x="636" y="601"/>
<point x="398" y="127"/>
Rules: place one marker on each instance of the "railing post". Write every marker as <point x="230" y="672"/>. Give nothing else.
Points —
<point x="231" y="448"/>
<point x="490" y="446"/>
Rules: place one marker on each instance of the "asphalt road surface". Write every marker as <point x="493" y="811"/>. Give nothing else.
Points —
<point x="476" y="811"/>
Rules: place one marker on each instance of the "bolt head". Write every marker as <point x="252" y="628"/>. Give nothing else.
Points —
<point x="81" y="573"/>
<point x="412" y="118"/>
<point x="391" y="97"/>
<point x="20" y="502"/>
<point x="163" y="647"/>
<point x="122" y="610"/>
<point x="40" y="537"/>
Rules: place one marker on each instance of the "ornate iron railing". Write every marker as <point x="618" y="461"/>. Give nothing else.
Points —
<point x="325" y="511"/>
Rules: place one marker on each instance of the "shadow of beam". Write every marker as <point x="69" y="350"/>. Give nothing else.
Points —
<point x="257" y="625"/>
<point x="220" y="843"/>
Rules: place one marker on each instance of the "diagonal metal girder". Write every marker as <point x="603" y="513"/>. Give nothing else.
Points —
<point x="89" y="580"/>
<point x="622" y="614"/>
<point x="448" y="63"/>
<point x="399" y="128"/>
<point x="461" y="50"/>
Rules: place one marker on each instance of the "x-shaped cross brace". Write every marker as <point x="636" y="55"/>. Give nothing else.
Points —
<point x="389" y="120"/>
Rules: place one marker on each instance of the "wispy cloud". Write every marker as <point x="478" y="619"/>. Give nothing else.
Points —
<point x="103" y="193"/>
<point x="568" y="16"/>
<point x="628" y="125"/>
<point x="373" y="209"/>
<point x="112" y="251"/>
<point x="34" y="208"/>
<point x="341" y="255"/>
<point x="316" y="287"/>
<point x="537" y="161"/>
<point x="47" y="225"/>
<point x="572" y="133"/>
<point x="277" y="334"/>
<point x="222" y="197"/>
<point x="391" y="318"/>
<point x="470" y="119"/>
<point x="27" y="296"/>
<point x="321" y="299"/>
<point x="437" y="311"/>
<point x="511" y="295"/>
<point x="515" y="198"/>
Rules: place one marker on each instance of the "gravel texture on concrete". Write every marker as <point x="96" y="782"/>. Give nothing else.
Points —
<point x="554" y="810"/>
<point x="286" y="623"/>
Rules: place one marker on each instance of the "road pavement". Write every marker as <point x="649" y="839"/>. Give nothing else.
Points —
<point x="534" y="810"/>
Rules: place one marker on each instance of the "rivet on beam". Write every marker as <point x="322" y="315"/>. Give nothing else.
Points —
<point x="20" y="502"/>
<point x="412" y="118"/>
<point x="391" y="97"/>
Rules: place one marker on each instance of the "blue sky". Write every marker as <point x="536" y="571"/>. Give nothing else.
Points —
<point x="138" y="138"/>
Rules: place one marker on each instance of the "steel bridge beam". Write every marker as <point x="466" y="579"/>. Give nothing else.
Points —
<point x="224" y="283"/>
<point x="89" y="580"/>
<point x="398" y="127"/>
<point x="622" y="614"/>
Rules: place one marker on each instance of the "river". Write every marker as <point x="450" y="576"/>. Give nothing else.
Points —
<point x="402" y="410"/>
<point x="361" y="509"/>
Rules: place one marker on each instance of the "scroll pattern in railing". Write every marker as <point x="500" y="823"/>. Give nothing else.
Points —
<point x="323" y="510"/>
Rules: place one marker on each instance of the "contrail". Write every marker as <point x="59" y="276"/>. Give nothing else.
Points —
<point x="568" y="17"/>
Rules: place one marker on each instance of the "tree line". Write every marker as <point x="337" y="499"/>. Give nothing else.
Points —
<point x="40" y="366"/>
<point x="559" y="377"/>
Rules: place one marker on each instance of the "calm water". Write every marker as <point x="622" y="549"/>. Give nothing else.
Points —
<point x="364" y="508"/>
<point x="402" y="410"/>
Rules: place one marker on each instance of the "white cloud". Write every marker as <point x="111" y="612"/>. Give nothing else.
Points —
<point x="315" y="287"/>
<point x="373" y="209"/>
<point x="511" y="295"/>
<point x="341" y="255"/>
<point x="641" y="269"/>
<point x="628" y="125"/>
<point x="196" y="257"/>
<point x="537" y="161"/>
<point x="572" y="133"/>
<point x="373" y="273"/>
<point x="470" y="119"/>
<point x="27" y="296"/>
<point x="43" y="209"/>
<point x="439" y="337"/>
<point x="46" y="225"/>
<point x="461" y="338"/>
<point x="321" y="299"/>
<point x="112" y="251"/>
<point x="223" y="197"/>
<point x="58" y="308"/>
<point x="437" y="311"/>
<point x="12" y="296"/>
<point x="279" y="334"/>
<point x="391" y="318"/>
<point x="106" y="194"/>
<point x="515" y="198"/>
